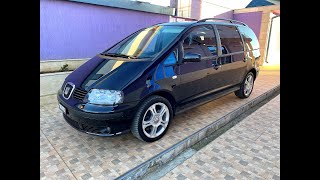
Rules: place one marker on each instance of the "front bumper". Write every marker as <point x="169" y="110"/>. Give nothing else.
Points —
<point x="99" y="124"/>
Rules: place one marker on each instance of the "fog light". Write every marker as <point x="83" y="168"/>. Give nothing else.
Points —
<point x="106" y="130"/>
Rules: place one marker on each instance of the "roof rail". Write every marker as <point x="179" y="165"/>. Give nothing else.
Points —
<point x="230" y="20"/>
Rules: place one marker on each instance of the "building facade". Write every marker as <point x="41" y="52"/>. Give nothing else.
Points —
<point x="72" y="31"/>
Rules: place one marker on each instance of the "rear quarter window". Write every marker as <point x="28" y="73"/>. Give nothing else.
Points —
<point x="249" y="37"/>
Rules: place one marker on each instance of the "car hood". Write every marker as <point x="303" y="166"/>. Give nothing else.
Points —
<point x="103" y="73"/>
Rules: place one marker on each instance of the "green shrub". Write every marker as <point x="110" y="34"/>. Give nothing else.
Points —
<point x="64" y="68"/>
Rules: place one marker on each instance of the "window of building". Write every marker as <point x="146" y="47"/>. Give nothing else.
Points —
<point x="184" y="8"/>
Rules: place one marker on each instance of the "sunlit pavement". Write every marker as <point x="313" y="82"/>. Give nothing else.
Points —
<point x="249" y="150"/>
<point x="68" y="154"/>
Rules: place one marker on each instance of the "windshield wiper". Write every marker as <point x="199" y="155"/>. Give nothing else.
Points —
<point x="118" y="55"/>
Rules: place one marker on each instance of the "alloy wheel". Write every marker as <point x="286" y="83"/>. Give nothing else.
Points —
<point x="155" y="120"/>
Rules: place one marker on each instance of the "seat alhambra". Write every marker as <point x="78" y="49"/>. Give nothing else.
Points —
<point x="143" y="81"/>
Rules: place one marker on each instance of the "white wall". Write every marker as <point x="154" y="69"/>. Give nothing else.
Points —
<point x="157" y="2"/>
<point x="273" y="56"/>
<point x="211" y="8"/>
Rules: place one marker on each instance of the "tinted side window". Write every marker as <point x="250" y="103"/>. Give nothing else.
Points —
<point x="172" y="58"/>
<point x="249" y="37"/>
<point x="230" y="39"/>
<point x="201" y="40"/>
<point x="166" y="68"/>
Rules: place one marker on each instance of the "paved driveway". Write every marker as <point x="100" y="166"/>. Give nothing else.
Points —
<point x="68" y="154"/>
<point x="249" y="150"/>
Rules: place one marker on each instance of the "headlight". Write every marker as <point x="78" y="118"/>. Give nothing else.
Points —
<point x="104" y="97"/>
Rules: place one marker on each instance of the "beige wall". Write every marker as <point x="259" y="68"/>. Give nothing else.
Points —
<point x="55" y="65"/>
<point x="265" y="24"/>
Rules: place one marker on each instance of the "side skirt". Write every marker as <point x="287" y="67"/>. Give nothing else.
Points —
<point x="205" y="99"/>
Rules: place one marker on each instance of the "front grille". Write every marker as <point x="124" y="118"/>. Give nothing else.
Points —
<point x="79" y="94"/>
<point x="93" y="129"/>
<point x="86" y="127"/>
<point x="98" y="128"/>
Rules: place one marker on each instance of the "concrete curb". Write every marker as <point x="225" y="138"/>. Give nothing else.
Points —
<point x="55" y="65"/>
<point x="165" y="156"/>
<point x="55" y="74"/>
<point x="50" y="83"/>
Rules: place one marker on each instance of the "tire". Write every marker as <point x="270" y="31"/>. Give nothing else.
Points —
<point x="244" y="92"/>
<point x="155" y="124"/>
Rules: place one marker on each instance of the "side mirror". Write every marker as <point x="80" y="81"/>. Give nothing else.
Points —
<point x="192" y="57"/>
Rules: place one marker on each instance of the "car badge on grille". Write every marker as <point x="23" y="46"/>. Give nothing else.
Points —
<point x="67" y="90"/>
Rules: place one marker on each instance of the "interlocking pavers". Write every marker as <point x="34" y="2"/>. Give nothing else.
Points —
<point x="52" y="162"/>
<point x="239" y="155"/>
<point x="87" y="156"/>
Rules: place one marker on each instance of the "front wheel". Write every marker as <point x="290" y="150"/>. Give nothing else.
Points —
<point x="246" y="86"/>
<point x="152" y="119"/>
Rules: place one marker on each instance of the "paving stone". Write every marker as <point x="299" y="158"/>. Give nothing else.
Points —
<point x="198" y="173"/>
<point x="73" y="161"/>
<point x="244" y="173"/>
<point x="200" y="162"/>
<point x="86" y="176"/>
<point x="275" y="177"/>
<point x="181" y="177"/>
<point x="116" y="161"/>
<point x="228" y="177"/>
<point x="243" y="162"/>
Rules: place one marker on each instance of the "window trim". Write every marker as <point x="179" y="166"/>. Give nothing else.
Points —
<point x="231" y="54"/>
<point x="242" y="41"/>
<point x="218" y="40"/>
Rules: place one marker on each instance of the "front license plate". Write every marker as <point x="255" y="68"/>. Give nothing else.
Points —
<point x="63" y="109"/>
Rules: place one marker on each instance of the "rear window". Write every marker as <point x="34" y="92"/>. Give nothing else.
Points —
<point x="249" y="38"/>
<point x="230" y="38"/>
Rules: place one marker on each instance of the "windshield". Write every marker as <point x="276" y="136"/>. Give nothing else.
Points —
<point x="146" y="43"/>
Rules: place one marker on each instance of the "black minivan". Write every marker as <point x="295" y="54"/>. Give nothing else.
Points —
<point x="141" y="82"/>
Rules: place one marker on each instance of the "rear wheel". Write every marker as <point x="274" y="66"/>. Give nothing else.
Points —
<point x="246" y="86"/>
<point x="152" y="119"/>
